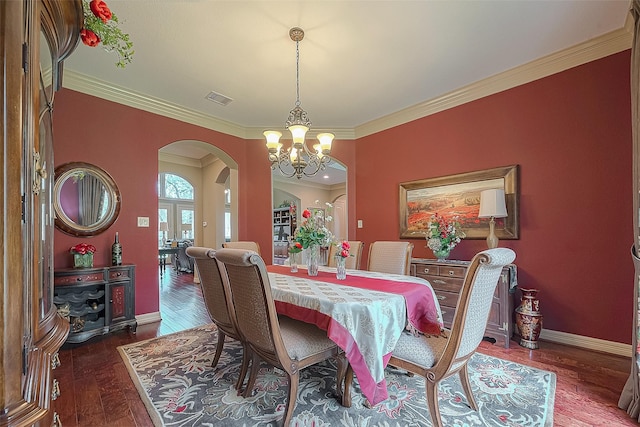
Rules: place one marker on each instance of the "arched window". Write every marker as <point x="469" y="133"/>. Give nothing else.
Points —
<point x="172" y="186"/>
<point x="175" y="207"/>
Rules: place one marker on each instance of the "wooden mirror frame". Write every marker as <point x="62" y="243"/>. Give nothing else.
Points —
<point x="66" y="224"/>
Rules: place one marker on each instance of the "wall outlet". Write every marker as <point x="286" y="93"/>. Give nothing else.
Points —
<point x="143" y="221"/>
<point x="359" y="223"/>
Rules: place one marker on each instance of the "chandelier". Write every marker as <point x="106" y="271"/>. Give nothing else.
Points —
<point x="298" y="160"/>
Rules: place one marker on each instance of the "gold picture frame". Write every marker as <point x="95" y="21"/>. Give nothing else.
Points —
<point x="459" y="196"/>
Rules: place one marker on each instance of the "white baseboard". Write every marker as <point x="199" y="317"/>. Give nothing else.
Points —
<point x="589" y="343"/>
<point x="146" y="318"/>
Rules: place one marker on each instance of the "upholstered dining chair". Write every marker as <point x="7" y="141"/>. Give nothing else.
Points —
<point x="438" y="357"/>
<point x="217" y="298"/>
<point x="353" y="262"/>
<point x="287" y="344"/>
<point x="251" y="246"/>
<point x="390" y="257"/>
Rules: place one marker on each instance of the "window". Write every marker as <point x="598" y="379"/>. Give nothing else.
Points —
<point x="176" y="207"/>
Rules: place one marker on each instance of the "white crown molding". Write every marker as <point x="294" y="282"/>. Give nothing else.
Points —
<point x="101" y="89"/>
<point x="599" y="47"/>
<point x="179" y="160"/>
<point x="343" y="134"/>
<point x="589" y="343"/>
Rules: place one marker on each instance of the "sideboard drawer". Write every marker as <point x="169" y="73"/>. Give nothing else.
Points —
<point x="447" y="299"/>
<point x="451" y="271"/>
<point x="119" y="274"/>
<point x="79" y="277"/>
<point x="449" y="284"/>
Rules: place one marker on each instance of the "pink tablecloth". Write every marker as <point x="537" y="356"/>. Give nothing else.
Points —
<point x="364" y="314"/>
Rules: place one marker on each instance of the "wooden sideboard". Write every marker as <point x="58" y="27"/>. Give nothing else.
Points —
<point x="96" y="300"/>
<point x="446" y="279"/>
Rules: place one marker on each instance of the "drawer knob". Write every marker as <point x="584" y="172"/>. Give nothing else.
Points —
<point x="450" y="272"/>
<point x="426" y="270"/>
<point x="79" y="279"/>
<point x="118" y="274"/>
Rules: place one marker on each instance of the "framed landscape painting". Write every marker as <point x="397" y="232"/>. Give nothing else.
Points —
<point x="459" y="196"/>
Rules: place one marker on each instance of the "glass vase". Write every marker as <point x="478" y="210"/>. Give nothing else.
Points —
<point x="442" y="254"/>
<point x="313" y="258"/>
<point x="293" y="262"/>
<point x="341" y="269"/>
<point x="83" y="260"/>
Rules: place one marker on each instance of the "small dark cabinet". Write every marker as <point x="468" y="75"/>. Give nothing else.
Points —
<point x="96" y="300"/>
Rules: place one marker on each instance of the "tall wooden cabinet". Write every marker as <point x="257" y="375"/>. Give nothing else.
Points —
<point x="36" y="37"/>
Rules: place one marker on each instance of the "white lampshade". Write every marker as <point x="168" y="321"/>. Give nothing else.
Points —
<point x="164" y="226"/>
<point x="492" y="204"/>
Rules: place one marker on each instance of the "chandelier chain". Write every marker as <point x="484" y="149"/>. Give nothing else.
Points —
<point x="297" y="75"/>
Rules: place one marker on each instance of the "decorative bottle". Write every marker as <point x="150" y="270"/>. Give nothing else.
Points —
<point x="116" y="252"/>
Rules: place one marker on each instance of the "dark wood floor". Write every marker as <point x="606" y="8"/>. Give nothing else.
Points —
<point x="97" y="391"/>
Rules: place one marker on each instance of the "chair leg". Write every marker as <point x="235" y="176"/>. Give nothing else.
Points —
<point x="348" y="379"/>
<point x="340" y="374"/>
<point x="219" y="346"/>
<point x="466" y="386"/>
<point x="293" y="395"/>
<point x="246" y="357"/>
<point x="255" y="365"/>
<point x="432" y="403"/>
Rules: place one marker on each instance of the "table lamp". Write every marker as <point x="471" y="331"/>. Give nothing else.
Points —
<point x="492" y="205"/>
<point x="164" y="227"/>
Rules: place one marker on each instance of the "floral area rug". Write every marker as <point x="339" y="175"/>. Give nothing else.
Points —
<point x="174" y="377"/>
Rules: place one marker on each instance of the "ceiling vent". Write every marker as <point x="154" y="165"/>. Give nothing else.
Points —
<point x="219" y="98"/>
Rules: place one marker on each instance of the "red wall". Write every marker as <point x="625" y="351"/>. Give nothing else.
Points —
<point x="124" y="141"/>
<point x="571" y="135"/>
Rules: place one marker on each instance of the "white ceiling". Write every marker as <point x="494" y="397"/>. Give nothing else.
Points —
<point x="359" y="60"/>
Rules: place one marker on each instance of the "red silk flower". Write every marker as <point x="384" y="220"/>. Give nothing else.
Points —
<point x="100" y="10"/>
<point x="89" y="37"/>
<point x="306" y="213"/>
<point x="346" y="245"/>
<point x="298" y="245"/>
<point x="344" y="253"/>
<point x="82" y="248"/>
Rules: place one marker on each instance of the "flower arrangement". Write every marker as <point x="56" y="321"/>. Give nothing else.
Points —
<point x="443" y="235"/>
<point x="101" y="26"/>
<point x="82" y="248"/>
<point x="343" y="249"/>
<point x="312" y="231"/>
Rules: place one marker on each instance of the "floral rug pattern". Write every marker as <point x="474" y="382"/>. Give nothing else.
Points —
<point x="174" y="377"/>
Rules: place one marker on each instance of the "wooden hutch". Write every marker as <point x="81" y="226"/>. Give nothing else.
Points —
<point x="36" y="37"/>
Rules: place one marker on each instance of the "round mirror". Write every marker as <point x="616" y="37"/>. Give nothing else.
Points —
<point x="86" y="199"/>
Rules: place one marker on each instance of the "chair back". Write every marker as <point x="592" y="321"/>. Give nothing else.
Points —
<point x="474" y="304"/>
<point x="250" y="246"/>
<point x="215" y="289"/>
<point x="253" y="302"/>
<point x="353" y="262"/>
<point x="390" y="257"/>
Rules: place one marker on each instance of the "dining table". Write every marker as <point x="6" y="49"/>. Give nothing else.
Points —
<point x="364" y="314"/>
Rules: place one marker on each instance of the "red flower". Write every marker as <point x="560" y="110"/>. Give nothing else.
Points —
<point x="100" y="10"/>
<point x="82" y="248"/>
<point x="306" y="213"/>
<point x="298" y="245"/>
<point x="344" y="253"/>
<point x="89" y="37"/>
<point x="346" y="245"/>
